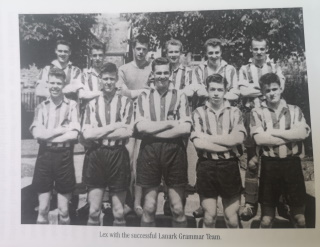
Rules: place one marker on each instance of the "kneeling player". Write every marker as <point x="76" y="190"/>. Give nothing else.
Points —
<point x="56" y="127"/>
<point x="108" y="124"/>
<point x="218" y="134"/>
<point x="279" y="129"/>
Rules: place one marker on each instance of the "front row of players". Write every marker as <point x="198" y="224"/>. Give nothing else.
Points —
<point x="163" y="122"/>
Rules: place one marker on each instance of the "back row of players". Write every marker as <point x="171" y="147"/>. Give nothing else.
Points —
<point x="153" y="102"/>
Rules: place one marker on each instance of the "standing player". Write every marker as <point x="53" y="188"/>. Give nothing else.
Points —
<point x="73" y="73"/>
<point x="163" y="121"/>
<point x="249" y="76"/>
<point x="133" y="80"/>
<point x="215" y="65"/>
<point x="56" y="127"/>
<point x="218" y="134"/>
<point x="279" y="129"/>
<point x="106" y="164"/>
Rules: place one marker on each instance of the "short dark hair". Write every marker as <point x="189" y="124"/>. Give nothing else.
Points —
<point x="269" y="78"/>
<point x="57" y="72"/>
<point x="95" y="46"/>
<point x="160" y="61"/>
<point x="260" y="38"/>
<point x="108" y="68"/>
<point x="143" y="39"/>
<point x="174" y="42"/>
<point x="63" y="42"/>
<point x="218" y="79"/>
<point x="213" y="42"/>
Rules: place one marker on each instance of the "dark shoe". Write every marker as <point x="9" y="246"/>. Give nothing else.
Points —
<point x="166" y="208"/>
<point x="249" y="211"/>
<point x="199" y="213"/>
<point x="106" y="208"/>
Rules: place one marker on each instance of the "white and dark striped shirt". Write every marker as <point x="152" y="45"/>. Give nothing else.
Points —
<point x="105" y="111"/>
<point x="228" y="119"/>
<point x="226" y="70"/>
<point x="91" y="80"/>
<point x="52" y="116"/>
<point x="249" y="76"/>
<point x="73" y="76"/>
<point x="264" y="119"/>
<point x="172" y="105"/>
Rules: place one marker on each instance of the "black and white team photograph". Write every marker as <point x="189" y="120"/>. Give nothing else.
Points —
<point x="189" y="119"/>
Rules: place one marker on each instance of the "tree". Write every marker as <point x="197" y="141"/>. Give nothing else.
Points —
<point x="38" y="34"/>
<point x="283" y="27"/>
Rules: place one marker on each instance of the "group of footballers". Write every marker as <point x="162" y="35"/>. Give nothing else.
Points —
<point x="135" y="123"/>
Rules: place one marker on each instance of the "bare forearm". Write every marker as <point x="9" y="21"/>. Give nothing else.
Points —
<point x="249" y="91"/>
<point x="66" y="137"/>
<point x="97" y="133"/>
<point x="44" y="134"/>
<point x="152" y="127"/>
<point x="177" y="131"/>
<point x="294" y="134"/>
<point x="229" y="140"/>
<point x="264" y="139"/>
<point x="121" y="133"/>
<point x="208" y="146"/>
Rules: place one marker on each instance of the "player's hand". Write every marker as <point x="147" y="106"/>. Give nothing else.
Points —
<point x="253" y="163"/>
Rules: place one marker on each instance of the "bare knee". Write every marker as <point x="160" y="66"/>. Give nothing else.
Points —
<point x="299" y="221"/>
<point x="266" y="222"/>
<point x="177" y="210"/>
<point x="232" y="220"/>
<point x="118" y="212"/>
<point x="150" y="207"/>
<point x="209" y="218"/>
<point x="94" y="212"/>
<point x="44" y="210"/>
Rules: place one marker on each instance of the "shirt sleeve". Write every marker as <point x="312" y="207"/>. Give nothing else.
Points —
<point x="38" y="119"/>
<point x="41" y="88"/>
<point x="300" y="122"/>
<point x="197" y="76"/>
<point x="238" y="124"/>
<point x="128" y="114"/>
<point x="76" y="79"/>
<point x="141" y="108"/>
<point x="183" y="109"/>
<point x="74" y="123"/>
<point x="243" y="77"/>
<point x="232" y="78"/>
<point x="197" y="125"/>
<point x="256" y="122"/>
<point x="281" y="76"/>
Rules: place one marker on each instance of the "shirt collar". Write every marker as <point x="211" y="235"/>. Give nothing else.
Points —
<point x="64" y="99"/>
<point x="283" y="104"/>
<point x="226" y="105"/>
<point x="268" y="60"/>
<point x="222" y="64"/>
<point x="136" y="66"/>
<point x="92" y="71"/>
<point x="57" y="64"/>
<point x="179" y="67"/>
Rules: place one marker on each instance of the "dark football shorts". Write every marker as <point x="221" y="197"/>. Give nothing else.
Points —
<point x="54" y="169"/>
<point x="107" y="167"/>
<point x="281" y="176"/>
<point x="162" y="157"/>
<point x="218" y="178"/>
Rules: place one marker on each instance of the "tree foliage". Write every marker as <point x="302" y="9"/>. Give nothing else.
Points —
<point x="39" y="32"/>
<point x="283" y="27"/>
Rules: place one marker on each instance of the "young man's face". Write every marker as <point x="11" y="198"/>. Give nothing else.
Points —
<point x="97" y="56"/>
<point x="109" y="82"/>
<point x="216" y="92"/>
<point x="173" y="53"/>
<point x="140" y="51"/>
<point x="55" y="85"/>
<point x="259" y="49"/>
<point x="213" y="53"/>
<point x="63" y="53"/>
<point x="161" y="76"/>
<point x="272" y="92"/>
